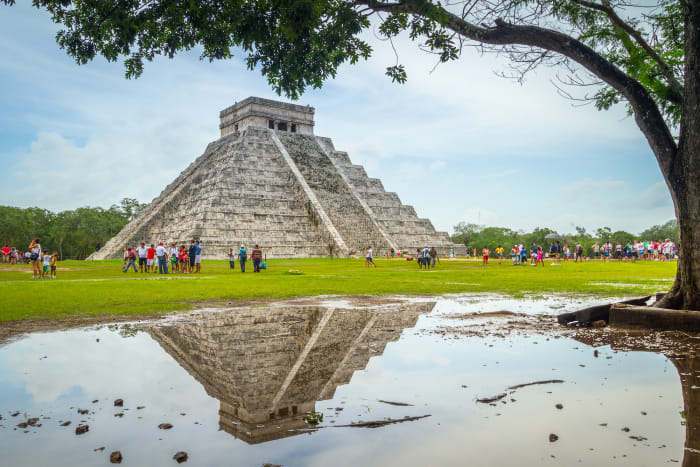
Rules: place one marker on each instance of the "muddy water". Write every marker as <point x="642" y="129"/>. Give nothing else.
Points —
<point x="236" y="385"/>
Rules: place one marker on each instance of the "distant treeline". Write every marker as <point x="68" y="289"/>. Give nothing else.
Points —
<point x="73" y="234"/>
<point x="479" y="236"/>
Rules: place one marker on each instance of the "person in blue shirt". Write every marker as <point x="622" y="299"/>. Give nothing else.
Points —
<point x="242" y="257"/>
<point x="523" y="256"/>
<point x="198" y="256"/>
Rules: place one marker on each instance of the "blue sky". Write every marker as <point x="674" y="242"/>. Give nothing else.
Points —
<point x="459" y="144"/>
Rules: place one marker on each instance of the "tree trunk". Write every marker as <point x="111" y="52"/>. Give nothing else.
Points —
<point x="683" y="176"/>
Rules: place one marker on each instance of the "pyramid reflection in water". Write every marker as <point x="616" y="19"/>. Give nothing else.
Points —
<point x="268" y="366"/>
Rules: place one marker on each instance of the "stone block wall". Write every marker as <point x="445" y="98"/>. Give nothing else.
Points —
<point x="399" y="221"/>
<point x="350" y="219"/>
<point x="293" y="194"/>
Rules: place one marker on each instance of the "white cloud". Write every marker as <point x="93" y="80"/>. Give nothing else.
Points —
<point x="472" y="138"/>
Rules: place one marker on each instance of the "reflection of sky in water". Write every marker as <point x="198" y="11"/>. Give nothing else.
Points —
<point x="423" y="370"/>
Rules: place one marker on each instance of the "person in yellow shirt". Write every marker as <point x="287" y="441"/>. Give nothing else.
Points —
<point x="52" y="264"/>
<point x="499" y="252"/>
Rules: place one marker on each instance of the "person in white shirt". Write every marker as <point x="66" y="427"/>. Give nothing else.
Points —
<point x="47" y="261"/>
<point x="369" y="258"/>
<point x="142" y="252"/>
<point x="162" y="260"/>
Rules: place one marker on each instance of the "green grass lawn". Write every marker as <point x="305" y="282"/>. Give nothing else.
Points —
<point x="100" y="287"/>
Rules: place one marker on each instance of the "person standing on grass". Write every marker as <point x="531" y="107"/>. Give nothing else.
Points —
<point x="46" y="258"/>
<point x="256" y="255"/>
<point x="242" y="257"/>
<point x="198" y="257"/>
<point x="419" y="257"/>
<point x="184" y="260"/>
<point x="6" y="254"/>
<point x="162" y="259"/>
<point x="35" y="257"/>
<point x="540" y="257"/>
<point x="578" y="253"/>
<point x="13" y="256"/>
<point x="499" y="253"/>
<point x="433" y="257"/>
<point x="485" y="256"/>
<point x="150" y="258"/>
<point x="369" y="258"/>
<point x="142" y="253"/>
<point x="173" y="262"/>
<point x="130" y="259"/>
<point x="523" y="255"/>
<point x="231" y="259"/>
<point x="192" y="254"/>
<point x="52" y="264"/>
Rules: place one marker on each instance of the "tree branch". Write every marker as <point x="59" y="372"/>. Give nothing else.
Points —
<point x="637" y="35"/>
<point x="647" y="114"/>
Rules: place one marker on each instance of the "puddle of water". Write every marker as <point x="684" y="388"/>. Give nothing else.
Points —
<point x="236" y="385"/>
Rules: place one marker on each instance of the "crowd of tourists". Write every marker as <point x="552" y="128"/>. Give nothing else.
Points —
<point x="427" y="257"/>
<point x="43" y="263"/>
<point x="183" y="259"/>
<point x="665" y="250"/>
<point x="256" y="255"/>
<point x="638" y="250"/>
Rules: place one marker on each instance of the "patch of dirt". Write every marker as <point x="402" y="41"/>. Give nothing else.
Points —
<point x="500" y="325"/>
<point x="27" y="270"/>
<point x="487" y="314"/>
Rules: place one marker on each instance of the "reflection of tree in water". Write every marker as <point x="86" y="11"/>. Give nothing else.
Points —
<point x="268" y="366"/>
<point x="689" y="370"/>
<point x="681" y="352"/>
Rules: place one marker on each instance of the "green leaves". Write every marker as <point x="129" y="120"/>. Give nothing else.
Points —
<point x="397" y="73"/>
<point x="301" y="43"/>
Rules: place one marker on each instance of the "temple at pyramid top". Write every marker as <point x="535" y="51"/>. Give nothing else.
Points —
<point x="266" y="113"/>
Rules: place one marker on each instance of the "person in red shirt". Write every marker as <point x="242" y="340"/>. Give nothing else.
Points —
<point x="150" y="259"/>
<point x="6" y="254"/>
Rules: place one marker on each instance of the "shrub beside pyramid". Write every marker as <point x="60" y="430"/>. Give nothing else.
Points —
<point x="269" y="181"/>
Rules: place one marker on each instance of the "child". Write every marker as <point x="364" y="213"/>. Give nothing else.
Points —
<point x="231" y="259"/>
<point x="540" y="257"/>
<point x="485" y="256"/>
<point x="173" y="262"/>
<point x="52" y="264"/>
<point x="185" y="260"/>
<point x="47" y="261"/>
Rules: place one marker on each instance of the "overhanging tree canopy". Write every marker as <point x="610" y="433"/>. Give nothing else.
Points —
<point x="645" y="55"/>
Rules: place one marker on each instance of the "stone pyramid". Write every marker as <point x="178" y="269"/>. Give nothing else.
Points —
<point x="269" y="181"/>
<point x="268" y="366"/>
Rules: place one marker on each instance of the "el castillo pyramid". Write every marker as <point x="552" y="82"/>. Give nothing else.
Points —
<point x="269" y="366"/>
<point x="269" y="181"/>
